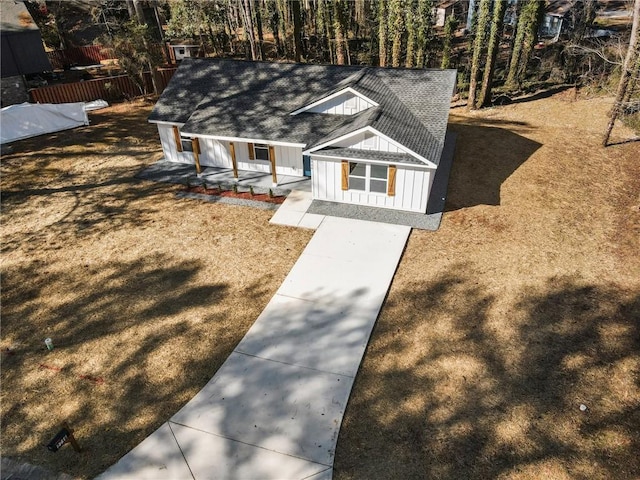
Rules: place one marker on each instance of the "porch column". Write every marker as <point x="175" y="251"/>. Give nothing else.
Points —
<point x="234" y="163"/>
<point x="195" y="143"/>
<point x="272" y="159"/>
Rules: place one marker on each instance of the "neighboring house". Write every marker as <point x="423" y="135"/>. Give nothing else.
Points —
<point x="181" y="49"/>
<point x="458" y="8"/>
<point x="560" y="17"/>
<point x="22" y="51"/>
<point x="367" y="136"/>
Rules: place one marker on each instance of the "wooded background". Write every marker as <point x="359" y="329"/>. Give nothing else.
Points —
<point x="495" y="45"/>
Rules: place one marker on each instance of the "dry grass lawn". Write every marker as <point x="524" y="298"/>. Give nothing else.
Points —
<point x="143" y="294"/>
<point x="524" y="305"/>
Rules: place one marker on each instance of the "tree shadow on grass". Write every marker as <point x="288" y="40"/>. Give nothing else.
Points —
<point x="485" y="157"/>
<point x="460" y="392"/>
<point x="133" y="342"/>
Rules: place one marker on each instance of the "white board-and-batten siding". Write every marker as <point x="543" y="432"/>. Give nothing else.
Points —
<point x="369" y="141"/>
<point x="288" y="160"/>
<point x="412" y="187"/>
<point x="344" y="104"/>
<point x="217" y="153"/>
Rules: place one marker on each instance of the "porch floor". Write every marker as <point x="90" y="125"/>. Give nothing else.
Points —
<point x="183" y="173"/>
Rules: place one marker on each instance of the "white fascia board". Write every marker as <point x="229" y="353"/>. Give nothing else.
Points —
<point x="244" y="140"/>
<point x="333" y="95"/>
<point x="402" y="147"/>
<point x="378" y="162"/>
<point x="375" y="132"/>
<point x="163" y="122"/>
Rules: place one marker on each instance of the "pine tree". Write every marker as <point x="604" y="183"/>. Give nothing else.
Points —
<point x="397" y="28"/>
<point x="484" y="13"/>
<point x="449" y="31"/>
<point x="497" y="22"/>
<point x="526" y="36"/>
<point x="424" y="27"/>
<point x="383" y="34"/>
<point x="411" y="23"/>
<point x="247" y="22"/>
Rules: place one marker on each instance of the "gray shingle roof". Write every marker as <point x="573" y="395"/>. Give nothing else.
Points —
<point x="358" y="154"/>
<point x="254" y="100"/>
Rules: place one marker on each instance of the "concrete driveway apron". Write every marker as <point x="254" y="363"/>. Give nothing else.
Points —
<point x="274" y="408"/>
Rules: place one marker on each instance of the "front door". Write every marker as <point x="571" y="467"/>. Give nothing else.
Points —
<point x="306" y="165"/>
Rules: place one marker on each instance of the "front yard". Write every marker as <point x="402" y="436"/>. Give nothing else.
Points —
<point x="522" y="307"/>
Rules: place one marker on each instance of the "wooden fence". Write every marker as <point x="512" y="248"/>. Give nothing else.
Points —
<point x="111" y="89"/>
<point x="90" y="55"/>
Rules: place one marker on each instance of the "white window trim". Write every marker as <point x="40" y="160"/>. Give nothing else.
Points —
<point x="261" y="146"/>
<point x="367" y="180"/>
<point x="183" y="139"/>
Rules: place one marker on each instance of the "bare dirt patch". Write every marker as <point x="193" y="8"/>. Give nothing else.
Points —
<point x="522" y="307"/>
<point x="144" y="294"/>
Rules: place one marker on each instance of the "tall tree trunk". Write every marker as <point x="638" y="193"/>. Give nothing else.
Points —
<point x="484" y="12"/>
<point x="633" y="80"/>
<point x="165" y="49"/>
<point x="449" y="31"/>
<point x="396" y="25"/>
<point x="424" y="24"/>
<point x="412" y="33"/>
<point x="247" y="22"/>
<point x="338" y="28"/>
<point x="131" y="9"/>
<point x="256" y="11"/>
<point x="495" y="35"/>
<point x="526" y="34"/>
<point x="383" y="36"/>
<point x="280" y="8"/>
<point x="297" y="30"/>
<point x="137" y="4"/>
<point x="625" y="76"/>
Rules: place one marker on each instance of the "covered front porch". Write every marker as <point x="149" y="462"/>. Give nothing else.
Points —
<point x="182" y="173"/>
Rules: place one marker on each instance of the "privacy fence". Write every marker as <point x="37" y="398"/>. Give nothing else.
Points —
<point x="112" y="89"/>
<point x="90" y="55"/>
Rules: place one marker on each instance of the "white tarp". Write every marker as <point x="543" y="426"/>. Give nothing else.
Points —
<point x="32" y="119"/>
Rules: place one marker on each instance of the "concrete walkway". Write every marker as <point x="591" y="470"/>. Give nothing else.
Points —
<point x="274" y="408"/>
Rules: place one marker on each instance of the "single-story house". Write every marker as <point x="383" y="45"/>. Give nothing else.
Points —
<point x="365" y="135"/>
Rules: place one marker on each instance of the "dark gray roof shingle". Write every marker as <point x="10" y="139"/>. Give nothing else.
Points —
<point x="231" y="98"/>
<point x="349" y="153"/>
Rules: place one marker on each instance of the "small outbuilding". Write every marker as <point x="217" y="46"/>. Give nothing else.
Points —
<point x="365" y="135"/>
<point x="22" y="51"/>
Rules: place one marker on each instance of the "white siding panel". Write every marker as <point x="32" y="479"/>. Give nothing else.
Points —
<point x="378" y="143"/>
<point x="168" y="143"/>
<point x="418" y="190"/>
<point x="412" y="187"/>
<point x="215" y="153"/>
<point x="345" y="104"/>
<point x="289" y="160"/>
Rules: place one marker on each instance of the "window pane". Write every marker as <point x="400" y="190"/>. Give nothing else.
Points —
<point x="356" y="183"/>
<point x="359" y="169"/>
<point x="187" y="146"/>
<point x="379" y="171"/>
<point x="262" y="153"/>
<point x="378" y="186"/>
